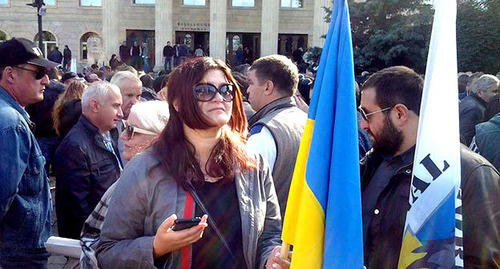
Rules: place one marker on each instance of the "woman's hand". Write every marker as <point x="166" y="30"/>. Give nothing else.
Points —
<point x="166" y="240"/>
<point x="275" y="261"/>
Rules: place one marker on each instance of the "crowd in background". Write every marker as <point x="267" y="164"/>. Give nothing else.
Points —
<point x="132" y="151"/>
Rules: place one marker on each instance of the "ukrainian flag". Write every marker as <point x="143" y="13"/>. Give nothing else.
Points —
<point x="323" y="215"/>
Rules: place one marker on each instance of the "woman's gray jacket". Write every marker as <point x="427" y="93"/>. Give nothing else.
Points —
<point x="145" y="196"/>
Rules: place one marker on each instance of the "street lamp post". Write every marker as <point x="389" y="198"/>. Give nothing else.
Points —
<point x="39" y="4"/>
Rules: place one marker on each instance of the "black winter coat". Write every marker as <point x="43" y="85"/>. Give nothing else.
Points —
<point x="85" y="169"/>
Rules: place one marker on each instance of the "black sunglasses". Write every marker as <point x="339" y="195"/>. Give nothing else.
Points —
<point x="205" y="92"/>
<point x="39" y="74"/>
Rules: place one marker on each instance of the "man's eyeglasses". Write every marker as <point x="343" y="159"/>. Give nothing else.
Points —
<point x="39" y="74"/>
<point x="205" y="92"/>
<point x="129" y="130"/>
<point x="365" y="115"/>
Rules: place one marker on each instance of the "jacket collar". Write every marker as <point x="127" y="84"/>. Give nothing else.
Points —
<point x="89" y="127"/>
<point x="478" y="99"/>
<point x="277" y="104"/>
<point x="373" y="159"/>
<point x="11" y="101"/>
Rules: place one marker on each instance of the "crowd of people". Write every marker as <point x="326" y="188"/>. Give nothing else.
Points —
<point x="134" y="156"/>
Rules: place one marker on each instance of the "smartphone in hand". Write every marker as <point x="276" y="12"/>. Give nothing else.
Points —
<point x="181" y="224"/>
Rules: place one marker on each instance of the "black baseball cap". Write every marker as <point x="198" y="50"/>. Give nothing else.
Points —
<point x="22" y="51"/>
<point x="68" y="75"/>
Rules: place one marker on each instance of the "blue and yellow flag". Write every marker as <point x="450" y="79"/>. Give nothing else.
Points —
<point x="323" y="215"/>
<point x="433" y="234"/>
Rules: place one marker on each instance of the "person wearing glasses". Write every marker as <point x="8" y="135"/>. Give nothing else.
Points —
<point x="198" y="167"/>
<point x="87" y="161"/>
<point x="144" y="124"/>
<point x="25" y="203"/>
<point x="390" y="109"/>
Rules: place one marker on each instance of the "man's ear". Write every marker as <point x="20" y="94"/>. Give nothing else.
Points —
<point x="94" y="106"/>
<point x="8" y="74"/>
<point x="402" y="114"/>
<point x="269" y="88"/>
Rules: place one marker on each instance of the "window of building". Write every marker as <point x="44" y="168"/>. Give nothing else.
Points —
<point x="90" y="3"/>
<point x="194" y="2"/>
<point x="83" y="44"/>
<point x="144" y="2"/>
<point x="243" y="3"/>
<point x="292" y="3"/>
<point x="49" y="42"/>
<point x="49" y="2"/>
<point x="4" y="2"/>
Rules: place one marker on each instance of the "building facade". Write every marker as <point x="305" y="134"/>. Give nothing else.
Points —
<point x="94" y="29"/>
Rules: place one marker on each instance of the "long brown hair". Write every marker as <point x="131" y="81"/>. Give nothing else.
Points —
<point x="176" y="153"/>
<point x="72" y="92"/>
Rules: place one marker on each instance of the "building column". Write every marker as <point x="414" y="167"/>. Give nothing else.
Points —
<point x="218" y="21"/>
<point x="269" y="27"/>
<point x="320" y="27"/>
<point x="164" y="22"/>
<point x="110" y="17"/>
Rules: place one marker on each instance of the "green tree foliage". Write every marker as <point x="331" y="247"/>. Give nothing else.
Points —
<point x="390" y="32"/>
<point x="478" y="36"/>
<point x="397" y="32"/>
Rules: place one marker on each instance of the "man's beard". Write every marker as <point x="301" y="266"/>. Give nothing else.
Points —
<point x="389" y="140"/>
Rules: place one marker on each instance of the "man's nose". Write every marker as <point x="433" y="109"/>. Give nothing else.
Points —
<point x="365" y="125"/>
<point x="45" y="80"/>
<point x="120" y="112"/>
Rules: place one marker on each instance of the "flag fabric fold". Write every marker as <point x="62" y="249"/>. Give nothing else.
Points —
<point x="323" y="215"/>
<point x="430" y="229"/>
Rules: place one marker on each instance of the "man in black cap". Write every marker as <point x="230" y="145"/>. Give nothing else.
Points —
<point x="25" y="202"/>
<point x="69" y="78"/>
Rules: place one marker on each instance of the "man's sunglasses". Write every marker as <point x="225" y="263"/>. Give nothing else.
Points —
<point x="366" y="115"/>
<point x="129" y="130"/>
<point x="39" y="73"/>
<point x="205" y="92"/>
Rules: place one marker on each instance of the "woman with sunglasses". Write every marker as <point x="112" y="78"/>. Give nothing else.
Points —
<point x="197" y="168"/>
<point x="144" y="124"/>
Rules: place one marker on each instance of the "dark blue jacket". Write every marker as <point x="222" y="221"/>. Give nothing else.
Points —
<point x="472" y="112"/>
<point x="488" y="140"/>
<point x="25" y="203"/>
<point x="84" y="171"/>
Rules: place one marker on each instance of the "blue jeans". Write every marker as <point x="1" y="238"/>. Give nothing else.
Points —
<point x="37" y="260"/>
<point x="48" y="145"/>
<point x="168" y="63"/>
<point x="146" y="64"/>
